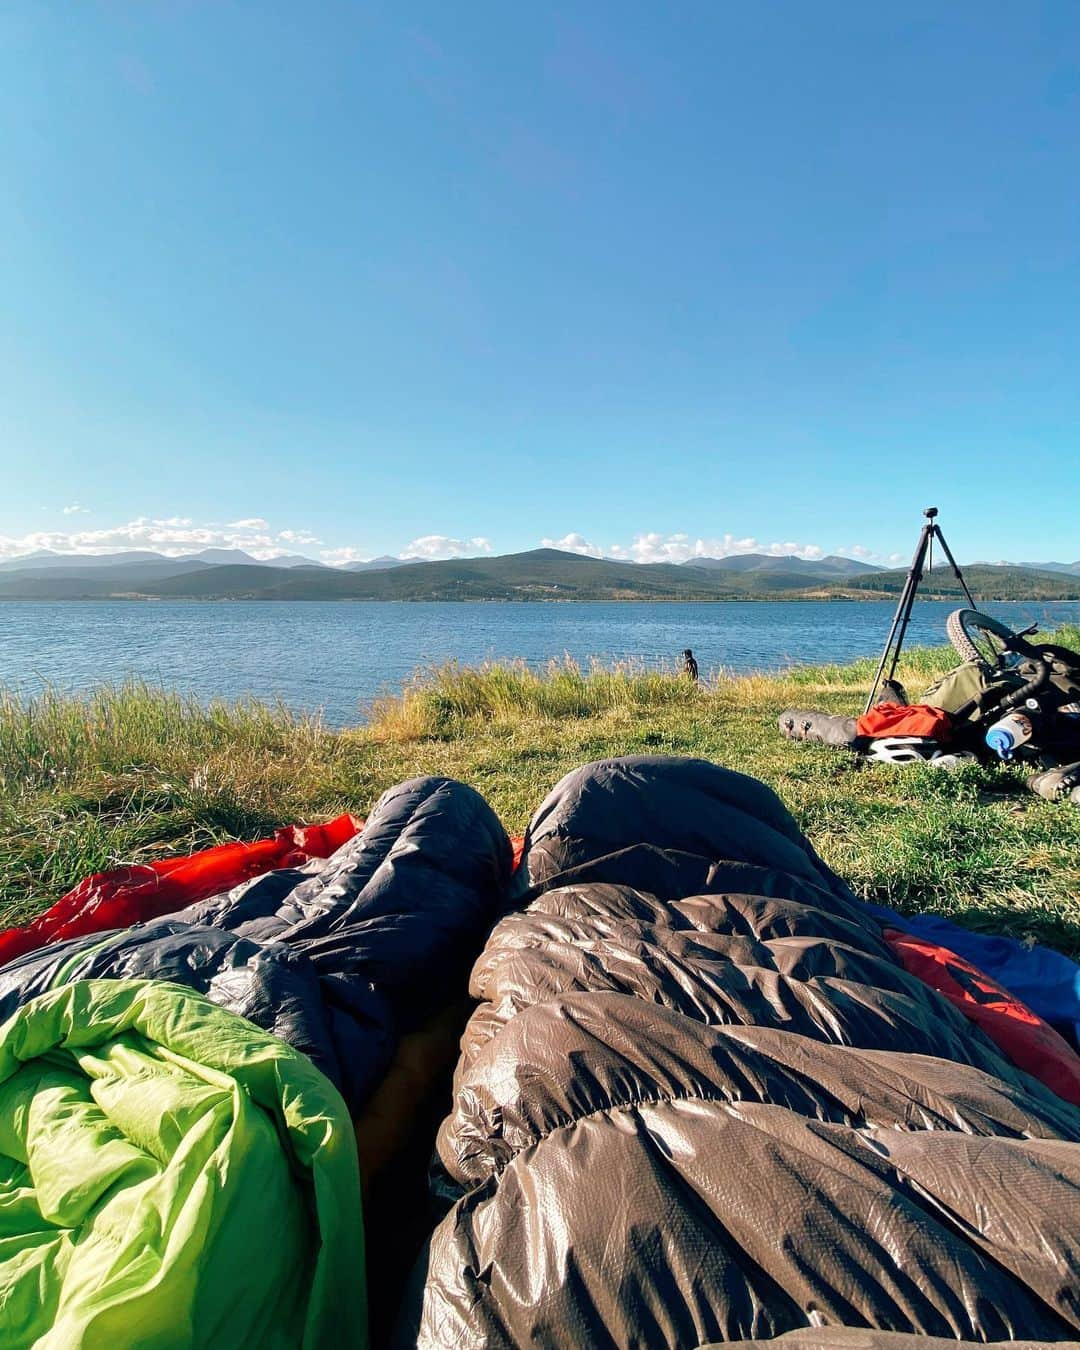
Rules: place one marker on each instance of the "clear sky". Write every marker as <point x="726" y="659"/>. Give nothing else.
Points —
<point x="352" y="279"/>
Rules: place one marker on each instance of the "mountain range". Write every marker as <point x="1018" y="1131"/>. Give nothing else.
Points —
<point x="47" y="560"/>
<point x="811" y="568"/>
<point x="1073" y="568"/>
<point x="540" y="574"/>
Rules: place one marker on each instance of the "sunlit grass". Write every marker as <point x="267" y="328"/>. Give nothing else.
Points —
<point x="439" y="701"/>
<point x="133" y="772"/>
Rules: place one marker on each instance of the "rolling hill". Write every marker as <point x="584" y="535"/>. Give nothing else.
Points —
<point x="46" y="560"/>
<point x="810" y="568"/>
<point x="987" y="581"/>
<point x="379" y="564"/>
<point x="540" y="574"/>
<point x="1073" y="568"/>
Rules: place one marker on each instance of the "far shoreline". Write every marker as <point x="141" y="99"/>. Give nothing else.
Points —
<point x="781" y="598"/>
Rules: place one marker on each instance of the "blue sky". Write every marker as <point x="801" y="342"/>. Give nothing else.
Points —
<point x="380" y="278"/>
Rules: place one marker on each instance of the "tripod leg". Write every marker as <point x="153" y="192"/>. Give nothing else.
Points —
<point x="905" y="601"/>
<point x="902" y="615"/>
<point x="903" y="627"/>
<point x="955" y="565"/>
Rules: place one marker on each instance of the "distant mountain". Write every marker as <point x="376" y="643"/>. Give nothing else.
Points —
<point x="540" y="574"/>
<point x="987" y="581"/>
<point x="105" y="577"/>
<point x="68" y="562"/>
<point x="379" y="564"/>
<point x="845" y="567"/>
<point x="227" y="557"/>
<point x="1073" y="568"/>
<point x="39" y="557"/>
<point x="45" y="557"/>
<point x="832" y="566"/>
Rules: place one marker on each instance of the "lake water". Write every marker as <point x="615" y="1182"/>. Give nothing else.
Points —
<point x="337" y="656"/>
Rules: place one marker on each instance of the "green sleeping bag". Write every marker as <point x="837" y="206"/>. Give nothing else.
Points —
<point x="171" y="1175"/>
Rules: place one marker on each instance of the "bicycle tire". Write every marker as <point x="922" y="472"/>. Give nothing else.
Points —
<point x="956" y="627"/>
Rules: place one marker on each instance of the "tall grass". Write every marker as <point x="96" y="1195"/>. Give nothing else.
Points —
<point x="1068" y="635"/>
<point x="438" y="701"/>
<point x="131" y="771"/>
<point x="50" y="739"/>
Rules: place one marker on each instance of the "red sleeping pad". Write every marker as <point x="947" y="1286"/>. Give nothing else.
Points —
<point x="134" y="894"/>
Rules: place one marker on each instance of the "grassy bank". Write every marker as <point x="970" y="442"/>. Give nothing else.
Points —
<point x="134" y="773"/>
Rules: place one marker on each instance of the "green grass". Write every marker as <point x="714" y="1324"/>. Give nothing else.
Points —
<point x="132" y="773"/>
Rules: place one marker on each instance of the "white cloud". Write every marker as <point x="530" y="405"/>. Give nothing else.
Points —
<point x="653" y="547"/>
<point x="870" y="555"/>
<point x="297" y="537"/>
<point x="177" y="535"/>
<point x="428" y="548"/>
<point x="170" y="535"/>
<point x="791" y="547"/>
<point x="574" y="543"/>
<point x="335" y="556"/>
<point x="75" y="510"/>
<point x="432" y="546"/>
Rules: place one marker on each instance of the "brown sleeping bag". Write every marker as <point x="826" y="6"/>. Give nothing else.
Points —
<point x="700" y="1102"/>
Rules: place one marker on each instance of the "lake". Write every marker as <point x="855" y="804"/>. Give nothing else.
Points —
<point x="337" y="656"/>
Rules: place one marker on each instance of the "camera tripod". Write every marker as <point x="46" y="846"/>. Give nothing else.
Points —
<point x="923" y="559"/>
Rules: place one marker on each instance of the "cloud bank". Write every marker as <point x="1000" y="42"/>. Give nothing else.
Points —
<point x="175" y="536"/>
<point x="653" y="547"/>
<point x="171" y="535"/>
<point x="430" y="546"/>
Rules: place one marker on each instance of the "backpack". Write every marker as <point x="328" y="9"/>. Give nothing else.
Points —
<point x="965" y="682"/>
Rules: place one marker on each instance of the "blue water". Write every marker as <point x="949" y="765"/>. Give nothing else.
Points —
<point x="337" y="656"/>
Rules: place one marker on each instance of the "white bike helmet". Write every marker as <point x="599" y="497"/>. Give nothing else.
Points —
<point x="901" y="749"/>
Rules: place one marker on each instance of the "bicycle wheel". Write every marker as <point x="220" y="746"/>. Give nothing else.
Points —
<point x="978" y="637"/>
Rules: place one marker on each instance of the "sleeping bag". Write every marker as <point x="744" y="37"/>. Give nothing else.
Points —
<point x="339" y="956"/>
<point x="170" y="1175"/>
<point x="702" y="1101"/>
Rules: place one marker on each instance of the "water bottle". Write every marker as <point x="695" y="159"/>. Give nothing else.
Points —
<point x="1006" y="736"/>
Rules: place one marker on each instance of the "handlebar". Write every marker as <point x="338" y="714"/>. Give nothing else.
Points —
<point x="975" y="706"/>
<point x="1026" y="691"/>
